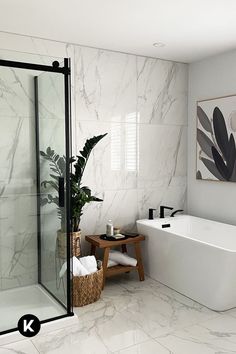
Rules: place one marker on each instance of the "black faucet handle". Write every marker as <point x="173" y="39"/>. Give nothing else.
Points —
<point x="150" y="213"/>
<point x="166" y="207"/>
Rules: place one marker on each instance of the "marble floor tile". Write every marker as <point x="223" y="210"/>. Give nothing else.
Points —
<point x="104" y="336"/>
<point x="160" y="310"/>
<point x="71" y="340"/>
<point x="120" y="332"/>
<point x="22" y="347"/>
<point x="114" y="300"/>
<point x="231" y="312"/>
<point x="148" y="347"/>
<point x="216" y="336"/>
<point x="141" y="317"/>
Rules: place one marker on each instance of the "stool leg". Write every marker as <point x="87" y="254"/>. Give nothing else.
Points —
<point x="93" y="250"/>
<point x="139" y="259"/>
<point x="124" y="248"/>
<point x="104" y="264"/>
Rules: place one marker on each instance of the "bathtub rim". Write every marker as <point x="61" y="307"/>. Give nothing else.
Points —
<point x="167" y="230"/>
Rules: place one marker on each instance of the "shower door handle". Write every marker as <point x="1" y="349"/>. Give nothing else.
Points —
<point x="61" y="192"/>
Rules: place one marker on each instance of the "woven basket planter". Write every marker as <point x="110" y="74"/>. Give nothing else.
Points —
<point x="62" y="244"/>
<point x="87" y="289"/>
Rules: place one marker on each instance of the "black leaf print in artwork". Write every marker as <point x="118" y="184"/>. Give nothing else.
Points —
<point x="220" y="131"/>
<point x="205" y="143"/>
<point x="199" y="175"/>
<point x="204" y="120"/>
<point x="220" y="165"/>
<point x="210" y="165"/>
<point x="220" y="148"/>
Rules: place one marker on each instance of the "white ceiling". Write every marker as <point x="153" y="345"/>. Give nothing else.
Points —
<point x="190" y="29"/>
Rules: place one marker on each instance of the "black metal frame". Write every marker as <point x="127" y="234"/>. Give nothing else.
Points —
<point x="55" y="68"/>
<point x="67" y="91"/>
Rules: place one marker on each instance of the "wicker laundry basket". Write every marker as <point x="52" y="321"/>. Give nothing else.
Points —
<point x="87" y="289"/>
<point x="62" y="244"/>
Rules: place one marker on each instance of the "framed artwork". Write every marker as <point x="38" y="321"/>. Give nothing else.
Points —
<point x="216" y="135"/>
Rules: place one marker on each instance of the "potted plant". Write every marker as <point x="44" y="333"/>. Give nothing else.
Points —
<point x="80" y="195"/>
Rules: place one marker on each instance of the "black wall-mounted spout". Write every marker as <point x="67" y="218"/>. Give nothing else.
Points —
<point x="176" y="211"/>
<point x="150" y="214"/>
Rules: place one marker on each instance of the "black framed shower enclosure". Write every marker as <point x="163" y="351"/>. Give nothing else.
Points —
<point x="51" y="86"/>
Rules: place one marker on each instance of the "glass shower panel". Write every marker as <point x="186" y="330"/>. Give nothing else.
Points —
<point x="51" y="148"/>
<point x="18" y="214"/>
<point x="34" y="109"/>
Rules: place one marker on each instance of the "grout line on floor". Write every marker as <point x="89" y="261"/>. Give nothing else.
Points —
<point x="35" y="346"/>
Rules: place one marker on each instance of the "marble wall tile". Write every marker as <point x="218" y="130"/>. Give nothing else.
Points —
<point x="162" y="154"/>
<point x="105" y="85"/>
<point x="51" y="96"/>
<point x="161" y="91"/>
<point x="16" y="93"/>
<point x="173" y="194"/>
<point x="43" y="49"/>
<point x="140" y="102"/>
<point x="18" y="226"/>
<point x="121" y="206"/>
<point x="113" y="162"/>
<point x="18" y="240"/>
<point x="17" y="157"/>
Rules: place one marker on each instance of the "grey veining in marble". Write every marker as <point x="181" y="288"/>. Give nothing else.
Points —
<point x="161" y="91"/>
<point x="141" y="104"/>
<point x="22" y="347"/>
<point x="143" y="317"/>
<point x="18" y="225"/>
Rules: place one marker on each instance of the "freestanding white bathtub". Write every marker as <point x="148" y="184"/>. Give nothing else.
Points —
<point x="194" y="256"/>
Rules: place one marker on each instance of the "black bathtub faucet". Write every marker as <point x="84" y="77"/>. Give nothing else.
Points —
<point x="150" y="213"/>
<point x="176" y="211"/>
<point x="162" y="210"/>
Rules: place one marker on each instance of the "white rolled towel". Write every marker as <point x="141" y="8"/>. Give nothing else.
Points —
<point x="111" y="263"/>
<point x="90" y="263"/>
<point x="78" y="268"/>
<point x="122" y="258"/>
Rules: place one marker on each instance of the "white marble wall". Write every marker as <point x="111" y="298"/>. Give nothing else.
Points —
<point x="140" y="102"/>
<point x="18" y="222"/>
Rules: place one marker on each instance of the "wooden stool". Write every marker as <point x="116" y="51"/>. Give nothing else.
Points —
<point x="96" y="241"/>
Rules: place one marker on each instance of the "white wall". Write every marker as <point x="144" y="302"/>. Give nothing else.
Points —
<point x="212" y="77"/>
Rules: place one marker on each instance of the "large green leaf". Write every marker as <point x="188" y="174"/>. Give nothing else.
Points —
<point x="82" y="160"/>
<point x="79" y="195"/>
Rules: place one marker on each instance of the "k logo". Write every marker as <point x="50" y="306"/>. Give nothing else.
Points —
<point x="29" y="325"/>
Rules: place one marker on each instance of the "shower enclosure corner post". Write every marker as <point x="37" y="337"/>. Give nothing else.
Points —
<point x="67" y="83"/>
<point x="36" y="107"/>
